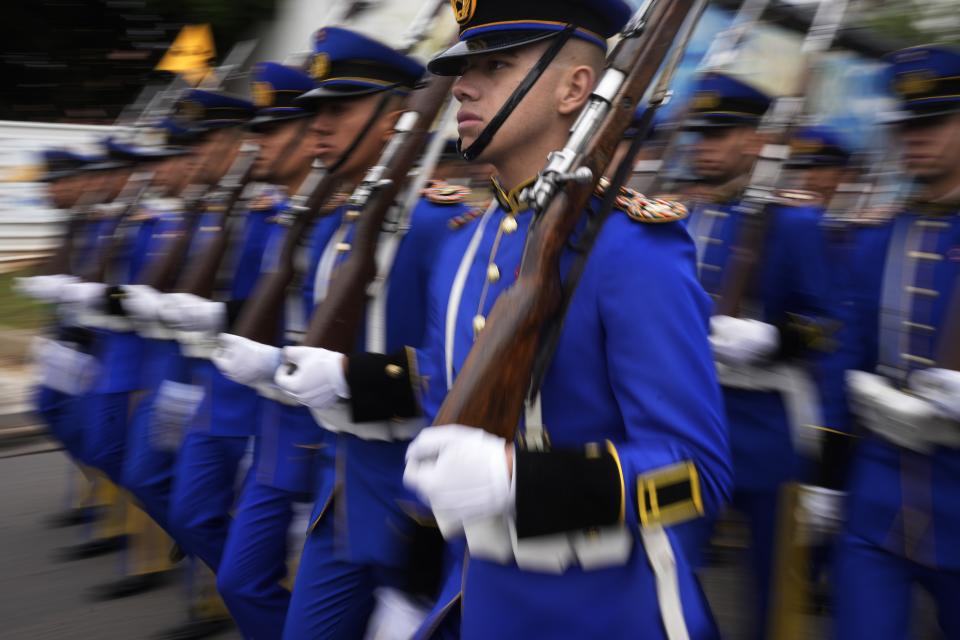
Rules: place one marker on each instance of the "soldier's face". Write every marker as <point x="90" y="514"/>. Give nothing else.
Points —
<point x="64" y="191"/>
<point x="285" y="148"/>
<point x="339" y="121"/>
<point x="931" y="147"/>
<point x="487" y="82"/>
<point x="822" y="180"/>
<point x="723" y="153"/>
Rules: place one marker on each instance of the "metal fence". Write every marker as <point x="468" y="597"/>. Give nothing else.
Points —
<point x="29" y="226"/>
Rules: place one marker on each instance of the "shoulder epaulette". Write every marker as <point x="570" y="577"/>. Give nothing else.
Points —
<point x="457" y="222"/>
<point x="874" y="216"/>
<point x="441" y="192"/>
<point x="641" y="208"/>
<point x="796" y="197"/>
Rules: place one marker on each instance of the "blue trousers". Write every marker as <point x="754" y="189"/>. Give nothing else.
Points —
<point x="255" y="560"/>
<point x="105" y="433"/>
<point x="331" y="598"/>
<point x="63" y="415"/>
<point x="203" y="493"/>
<point x="148" y="471"/>
<point x="760" y="507"/>
<point x="872" y="592"/>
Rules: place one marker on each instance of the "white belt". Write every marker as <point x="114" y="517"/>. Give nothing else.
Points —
<point x="799" y="397"/>
<point x="155" y="330"/>
<point x="337" y="419"/>
<point x="96" y="320"/>
<point x="271" y="391"/>
<point x="197" y="344"/>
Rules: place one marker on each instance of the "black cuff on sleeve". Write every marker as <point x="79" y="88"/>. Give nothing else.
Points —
<point x="234" y="308"/>
<point x="801" y="334"/>
<point x="80" y="336"/>
<point x="566" y="491"/>
<point x="836" y="451"/>
<point x="113" y="300"/>
<point x="423" y="574"/>
<point x="380" y="387"/>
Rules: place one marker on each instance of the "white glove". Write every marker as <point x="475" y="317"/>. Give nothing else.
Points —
<point x="461" y="472"/>
<point x="187" y="312"/>
<point x="939" y="386"/>
<point x="903" y="419"/>
<point x="316" y="378"/>
<point x="84" y="294"/>
<point x="396" y="616"/>
<point x="819" y="512"/>
<point x="141" y="301"/>
<point x="43" y="288"/>
<point x="737" y="341"/>
<point x="245" y="361"/>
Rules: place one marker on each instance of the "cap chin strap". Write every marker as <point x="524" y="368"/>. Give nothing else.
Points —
<point x="381" y="107"/>
<point x="480" y="144"/>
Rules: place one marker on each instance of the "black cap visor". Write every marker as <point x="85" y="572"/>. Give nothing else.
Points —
<point x="264" y="123"/>
<point x="452" y="61"/>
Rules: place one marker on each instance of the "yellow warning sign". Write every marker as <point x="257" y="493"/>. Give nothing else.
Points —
<point x="190" y="54"/>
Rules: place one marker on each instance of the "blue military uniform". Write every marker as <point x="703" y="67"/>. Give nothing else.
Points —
<point x="208" y="460"/>
<point x="293" y="455"/>
<point x="902" y="524"/>
<point x="618" y="427"/>
<point x="775" y="412"/>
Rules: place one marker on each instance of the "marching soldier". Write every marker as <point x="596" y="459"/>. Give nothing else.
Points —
<point x="356" y="543"/>
<point x="769" y="362"/>
<point x="619" y="428"/>
<point x="902" y="524"/>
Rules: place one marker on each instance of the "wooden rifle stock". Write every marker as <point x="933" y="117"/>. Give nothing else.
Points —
<point x="201" y="277"/>
<point x="128" y="201"/>
<point x="948" y="347"/>
<point x="77" y="217"/>
<point x="335" y="324"/>
<point x="261" y="317"/>
<point x="490" y="389"/>
<point x="161" y="272"/>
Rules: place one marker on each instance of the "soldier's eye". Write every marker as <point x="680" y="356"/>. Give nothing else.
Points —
<point x="496" y="65"/>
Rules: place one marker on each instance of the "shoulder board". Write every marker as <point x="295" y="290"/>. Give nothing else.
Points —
<point x="459" y="221"/>
<point x="874" y="216"/>
<point x="641" y="208"/>
<point x="796" y="197"/>
<point x="440" y="192"/>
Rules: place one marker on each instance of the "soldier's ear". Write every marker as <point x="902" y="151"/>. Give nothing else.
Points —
<point x="389" y="121"/>
<point x="575" y="89"/>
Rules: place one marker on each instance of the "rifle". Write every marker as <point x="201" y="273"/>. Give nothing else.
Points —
<point x="260" y="319"/>
<point x="489" y="391"/>
<point x="336" y="322"/>
<point x="201" y="278"/>
<point x="125" y="204"/>
<point x="77" y="217"/>
<point x="161" y="273"/>
<point x="766" y="178"/>
<point x="653" y="177"/>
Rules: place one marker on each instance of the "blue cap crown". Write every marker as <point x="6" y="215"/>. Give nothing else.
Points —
<point x="201" y="110"/>
<point x="495" y="25"/>
<point x="275" y="88"/>
<point x="346" y="64"/>
<point x="720" y="100"/>
<point x="818" y="146"/>
<point x="925" y="80"/>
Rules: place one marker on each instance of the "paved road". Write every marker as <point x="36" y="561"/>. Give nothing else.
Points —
<point x="45" y="599"/>
<point x="42" y="598"/>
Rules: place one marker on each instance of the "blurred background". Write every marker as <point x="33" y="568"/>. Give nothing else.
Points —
<point x="72" y="72"/>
